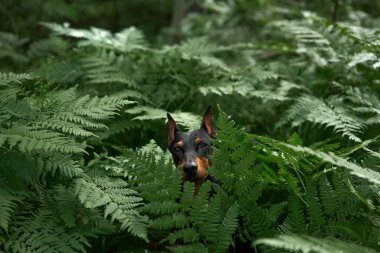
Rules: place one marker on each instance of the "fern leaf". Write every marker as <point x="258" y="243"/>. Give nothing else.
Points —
<point x="29" y="138"/>
<point x="125" y="41"/>
<point x="177" y="220"/>
<point x="227" y="228"/>
<point x="315" y="212"/>
<point x="188" y="120"/>
<point x="10" y="47"/>
<point x="304" y="243"/>
<point x="39" y="232"/>
<point x="354" y="169"/>
<point x="8" y="203"/>
<point x="362" y="57"/>
<point x="119" y="202"/>
<point x="193" y="248"/>
<point x="317" y="111"/>
<point x="62" y="163"/>
<point x="187" y="235"/>
<point x="100" y="69"/>
<point x="8" y="78"/>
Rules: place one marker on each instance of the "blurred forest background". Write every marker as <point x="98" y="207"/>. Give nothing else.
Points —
<point x="84" y="91"/>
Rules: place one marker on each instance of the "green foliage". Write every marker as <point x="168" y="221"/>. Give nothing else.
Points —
<point x="306" y="191"/>
<point x="78" y="106"/>
<point x="295" y="243"/>
<point x="191" y="223"/>
<point x="43" y="134"/>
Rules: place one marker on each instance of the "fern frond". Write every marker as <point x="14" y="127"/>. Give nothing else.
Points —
<point x="8" y="203"/>
<point x="62" y="164"/>
<point x="117" y="198"/>
<point x="246" y="82"/>
<point x="364" y="57"/>
<point x="326" y="195"/>
<point x="296" y="220"/>
<point x="64" y="71"/>
<point x="361" y="34"/>
<point x="317" y="111"/>
<point x="47" y="47"/>
<point x="199" y="206"/>
<point x="28" y="139"/>
<point x="304" y="34"/>
<point x="101" y="69"/>
<point x="65" y="113"/>
<point x="308" y="40"/>
<point x="40" y="232"/>
<point x="127" y="40"/>
<point x="7" y="78"/>
<point x="304" y="243"/>
<point x="187" y="235"/>
<point x="188" y="120"/>
<point x="353" y="168"/>
<point x="210" y="227"/>
<point x="201" y="50"/>
<point x="10" y="47"/>
<point x="98" y="108"/>
<point x="315" y="212"/>
<point x="227" y="228"/>
<point x="193" y="248"/>
<point x="160" y="207"/>
<point x="176" y="220"/>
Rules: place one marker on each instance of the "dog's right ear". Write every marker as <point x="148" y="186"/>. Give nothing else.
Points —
<point x="207" y="123"/>
<point x="172" y="128"/>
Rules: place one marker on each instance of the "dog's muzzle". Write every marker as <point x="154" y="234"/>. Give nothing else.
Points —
<point x="190" y="171"/>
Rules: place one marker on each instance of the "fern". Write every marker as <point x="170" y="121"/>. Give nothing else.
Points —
<point x="311" y="204"/>
<point x="316" y="111"/>
<point x="117" y="199"/>
<point x="188" y="120"/>
<point x="298" y="243"/>
<point x="364" y="57"/>
<point x="74" y="174"/>
<point x="127" y="40"/>
<point x="11" y="46"/>
<point x="354" y="169"/>
<point x="9" y="202"/>
<point x="44" y="125"/>
<point x="53" y="225"/>
<point x="40" y="235"/>
<point x="100" y="69"/>
<point x="309" y="41"/>
<point x="37" y="133"/>
<point x="192" y="221"/>
<point x="201" y="50"/>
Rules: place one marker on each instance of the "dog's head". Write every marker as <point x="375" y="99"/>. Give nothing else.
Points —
<point x="190" y="150"/>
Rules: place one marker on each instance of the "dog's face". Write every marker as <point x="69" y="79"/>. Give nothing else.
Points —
<point x="190" y="150"/>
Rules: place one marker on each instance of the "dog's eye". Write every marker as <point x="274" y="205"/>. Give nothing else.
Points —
<point x="203" y="145"/>
<point x="176" y="150"/>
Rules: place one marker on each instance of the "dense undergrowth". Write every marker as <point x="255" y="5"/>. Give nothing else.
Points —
<point x="84" y="166"/>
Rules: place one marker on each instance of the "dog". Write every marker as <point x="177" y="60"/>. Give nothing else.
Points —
<point x="191" y="150"/>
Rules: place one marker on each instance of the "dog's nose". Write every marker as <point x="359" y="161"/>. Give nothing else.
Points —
<point x="190" y="169"/>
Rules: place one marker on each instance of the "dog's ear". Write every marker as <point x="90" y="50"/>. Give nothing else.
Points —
<point x="172" y="128"/>
<point x="207" y="123"/>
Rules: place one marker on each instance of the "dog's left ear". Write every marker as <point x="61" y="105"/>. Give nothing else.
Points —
<point x="172" y="128"/>
<point x="207" y="123"/>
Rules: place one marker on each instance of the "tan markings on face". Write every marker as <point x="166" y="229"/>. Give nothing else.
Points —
<point x="202" y="164"/>
<point x="198" y="140"/>
<point x="180" y="144"/>
<point x="181" y="164"/>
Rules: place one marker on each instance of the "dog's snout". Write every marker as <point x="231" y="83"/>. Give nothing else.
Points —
<point x="190" y="168"/>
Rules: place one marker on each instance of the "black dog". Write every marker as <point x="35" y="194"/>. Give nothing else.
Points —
<point x="191" y="150"/>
